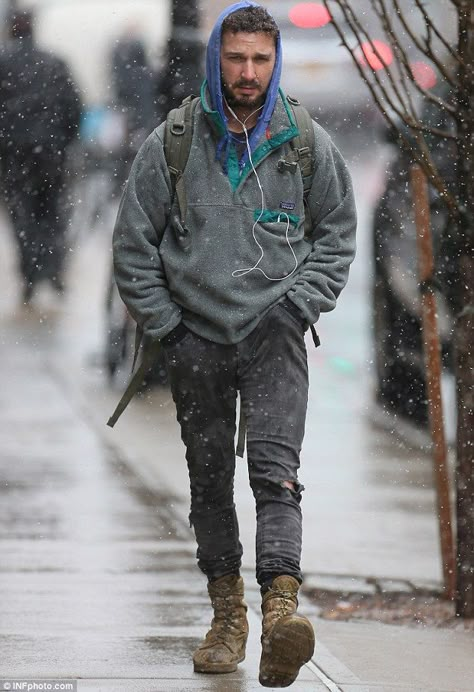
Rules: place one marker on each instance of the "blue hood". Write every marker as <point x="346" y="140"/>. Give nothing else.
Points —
<point x="214" y="85"/>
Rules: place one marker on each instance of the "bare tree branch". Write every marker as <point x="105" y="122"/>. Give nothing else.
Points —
<point x="423" y="48"/>
<point x="399" y="107"/>
<point x="436" y="131"/>
<point x="432" y="97"/>
<point x="430" y="25"/>
<point x="380" y="103"/>
<point x="403" y="58"/>
<point x="381" y="12"/>
<point x="419" y="153"/>
<point x="360" y="32"/>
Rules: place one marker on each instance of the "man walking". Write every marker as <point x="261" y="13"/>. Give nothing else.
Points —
<point x="229" y="291"/>
<point x="39" y="117"/>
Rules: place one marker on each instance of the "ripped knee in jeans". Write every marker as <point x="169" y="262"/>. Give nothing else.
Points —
<point x="271" y="489"/>
<point x="295" y="487"/>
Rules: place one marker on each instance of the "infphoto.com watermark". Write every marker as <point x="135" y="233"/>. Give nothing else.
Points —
<point x="11" y="685"/>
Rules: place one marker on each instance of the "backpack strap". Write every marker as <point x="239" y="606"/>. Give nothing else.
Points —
<point x="150" y="354"/>
<point x="303" y="146"/>
<point x="177" y="145"/>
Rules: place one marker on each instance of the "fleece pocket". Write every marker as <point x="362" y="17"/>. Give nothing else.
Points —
<point x="268" y="216"/>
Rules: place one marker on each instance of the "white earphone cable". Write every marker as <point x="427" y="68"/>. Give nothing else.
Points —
<point x="242" y="272"/>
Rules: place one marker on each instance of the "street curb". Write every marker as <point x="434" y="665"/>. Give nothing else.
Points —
<point x="367" y="585"/>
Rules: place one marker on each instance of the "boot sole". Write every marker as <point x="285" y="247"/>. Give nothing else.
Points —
<point x="291" y="646"/>
<point x="217" y="667"/>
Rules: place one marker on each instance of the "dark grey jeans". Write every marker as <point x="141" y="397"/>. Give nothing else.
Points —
<point x="269" y="368"/>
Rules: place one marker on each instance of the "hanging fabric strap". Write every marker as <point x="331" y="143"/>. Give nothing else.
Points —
<point x="242" y="432"/>
<point x="314" y="334"/>
<point x="150" y="354"/>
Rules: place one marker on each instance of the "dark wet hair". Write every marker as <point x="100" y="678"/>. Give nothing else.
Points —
<point x="251" y="20"/>
<point x="21" y="24"/>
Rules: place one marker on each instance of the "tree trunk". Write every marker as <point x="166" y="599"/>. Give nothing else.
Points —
<point x="432" y="357"/>
<point x="464" y="328"/>
<point x="464" y="341"/>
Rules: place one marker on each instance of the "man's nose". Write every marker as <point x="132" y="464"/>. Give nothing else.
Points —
<point x="248" y="70"/>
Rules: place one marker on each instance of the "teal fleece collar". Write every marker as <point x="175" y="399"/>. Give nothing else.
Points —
<point x="282" y="128"/>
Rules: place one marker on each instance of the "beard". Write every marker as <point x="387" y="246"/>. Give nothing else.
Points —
<point x="243" y="100"/>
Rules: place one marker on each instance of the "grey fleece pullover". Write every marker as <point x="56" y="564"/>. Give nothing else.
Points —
<point x="196" y="274"/>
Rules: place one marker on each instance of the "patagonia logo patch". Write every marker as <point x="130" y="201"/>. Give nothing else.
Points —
<point x="287" y="206"/>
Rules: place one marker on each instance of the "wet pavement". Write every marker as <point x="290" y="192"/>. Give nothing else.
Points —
<point x="97" y="574"/>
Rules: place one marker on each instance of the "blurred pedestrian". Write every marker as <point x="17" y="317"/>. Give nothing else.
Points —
<point x="40" y="110"/>
<point x="229" y="290"/>
<point x="133" y="87"/>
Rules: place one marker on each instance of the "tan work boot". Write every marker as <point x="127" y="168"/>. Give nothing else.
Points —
<point x="224" y="645"/>
<point x="287" y="638"/>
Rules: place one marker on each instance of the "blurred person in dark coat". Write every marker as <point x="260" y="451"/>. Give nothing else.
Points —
<point x="133" y="87"/>
<point x="40" y="111"/>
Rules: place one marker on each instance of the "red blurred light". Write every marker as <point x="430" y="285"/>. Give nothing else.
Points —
<point x="423" y="74"/>
<point x="375" y="54"/>
<point x="309" y="15"/>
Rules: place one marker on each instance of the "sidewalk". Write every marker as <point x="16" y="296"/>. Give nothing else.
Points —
<point x="97" y="571"/>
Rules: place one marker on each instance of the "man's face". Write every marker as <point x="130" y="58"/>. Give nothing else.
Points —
<point x="247" y="62"/>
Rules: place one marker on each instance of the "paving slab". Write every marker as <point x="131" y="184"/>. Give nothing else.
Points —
<point x="383" y="657"/>
<point x="223" y="683"/>
<point x="390" y="688"/>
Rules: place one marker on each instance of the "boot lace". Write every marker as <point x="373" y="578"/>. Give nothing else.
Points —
<point x="223" y="624"/>
<point x="284" y="601"/>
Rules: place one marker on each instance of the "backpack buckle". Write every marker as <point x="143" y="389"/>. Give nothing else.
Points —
<point x="304" y="152"/>
<point x="175" y="171"/>
<point x="177" y="129"/>
<point x="284" y="165"/>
